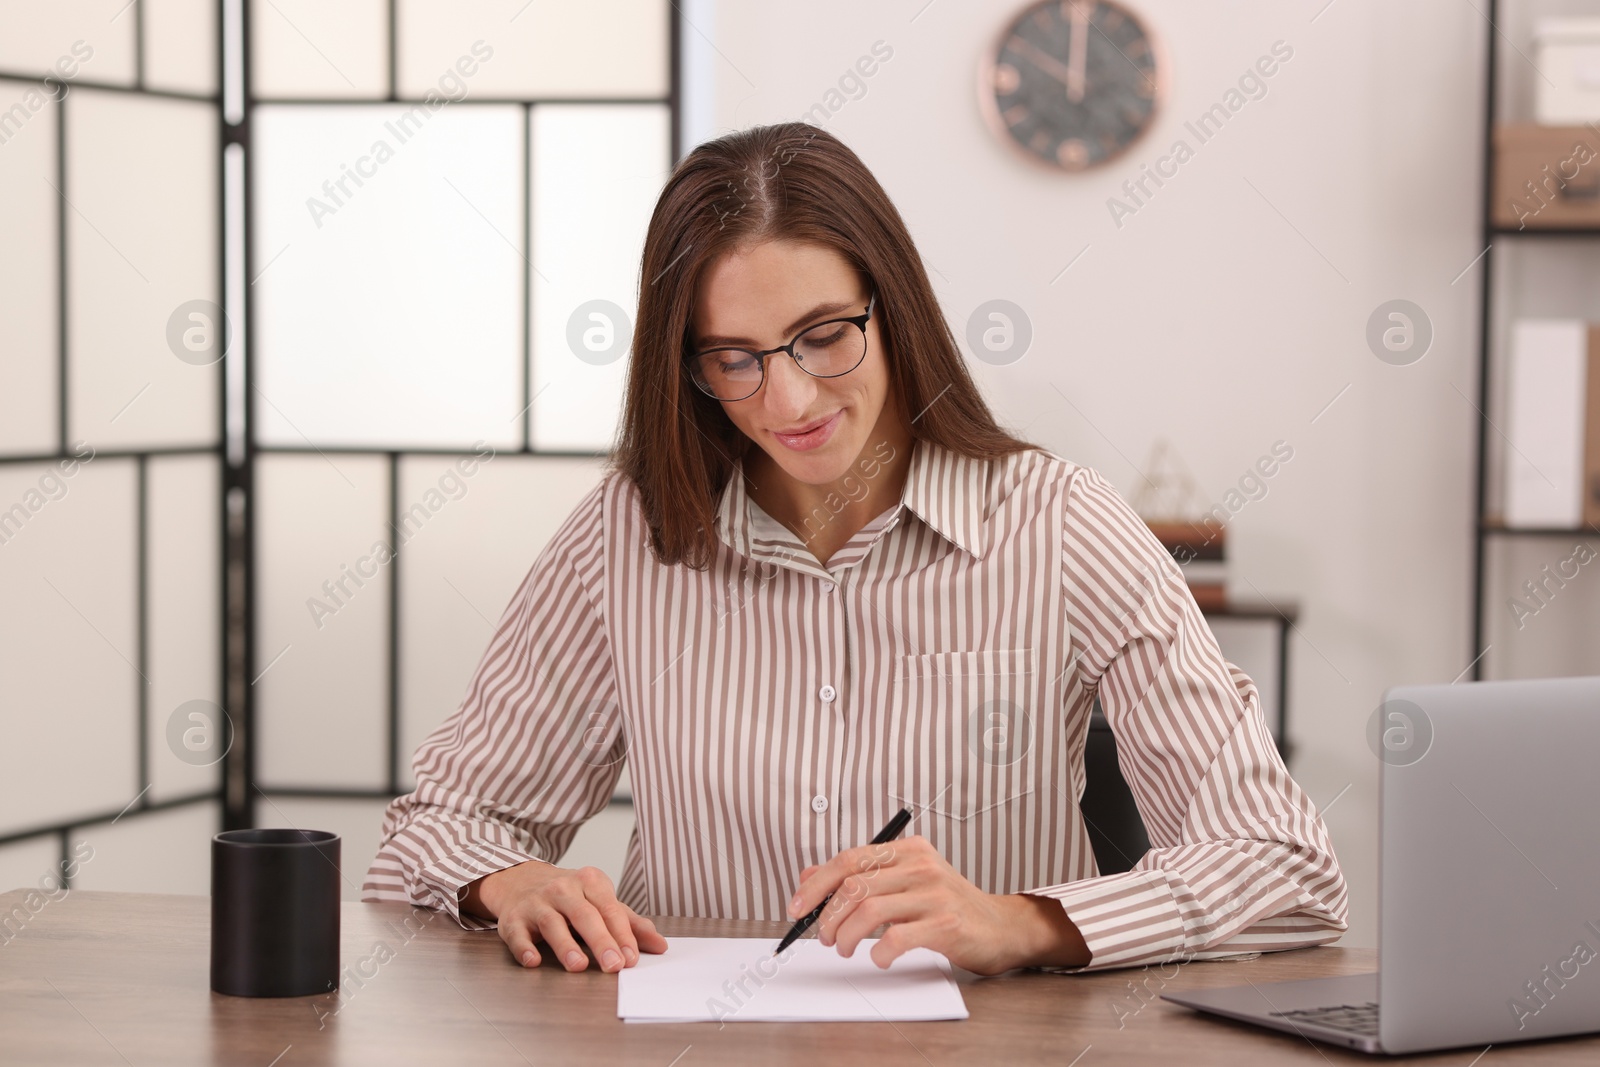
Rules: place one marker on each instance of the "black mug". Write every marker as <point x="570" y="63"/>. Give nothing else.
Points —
<point x="274" y="913"/>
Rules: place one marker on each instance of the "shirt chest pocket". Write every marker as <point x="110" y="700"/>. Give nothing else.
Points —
<point x="963" y="732"/>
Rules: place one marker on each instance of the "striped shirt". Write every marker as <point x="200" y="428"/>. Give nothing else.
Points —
<point x="773" y="711"/>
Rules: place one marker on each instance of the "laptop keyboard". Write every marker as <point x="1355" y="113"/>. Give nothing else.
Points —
<point x="1355" y="1018"/>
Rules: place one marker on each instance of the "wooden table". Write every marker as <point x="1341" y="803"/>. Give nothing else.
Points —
<point x="121" y="978"/>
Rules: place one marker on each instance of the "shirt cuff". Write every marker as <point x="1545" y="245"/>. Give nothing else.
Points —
<point x="449" y="875"/>
<point x="1126" y="919"/>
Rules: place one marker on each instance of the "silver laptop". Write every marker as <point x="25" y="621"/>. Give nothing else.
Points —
<point x="1488" y="878"/>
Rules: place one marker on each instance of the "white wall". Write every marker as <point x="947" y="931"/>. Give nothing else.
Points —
<point x="1225" y="314"/>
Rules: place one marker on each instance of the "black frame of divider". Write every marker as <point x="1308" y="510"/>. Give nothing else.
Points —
<point x="239" y="787"/>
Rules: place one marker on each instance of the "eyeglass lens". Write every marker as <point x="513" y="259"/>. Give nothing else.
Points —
<point x="825" y="350"/>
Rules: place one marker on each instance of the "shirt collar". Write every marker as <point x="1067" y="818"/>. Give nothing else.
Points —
<point x="948" y="491"/>
<point x="945" y="489"/>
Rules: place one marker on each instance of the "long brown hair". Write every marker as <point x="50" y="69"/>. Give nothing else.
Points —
<point x="791" y="181"/>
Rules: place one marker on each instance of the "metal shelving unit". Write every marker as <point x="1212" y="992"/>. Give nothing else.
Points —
<point x="1487" y="528"/>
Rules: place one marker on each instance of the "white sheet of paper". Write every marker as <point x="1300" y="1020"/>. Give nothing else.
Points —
<point x="737" y="979"/>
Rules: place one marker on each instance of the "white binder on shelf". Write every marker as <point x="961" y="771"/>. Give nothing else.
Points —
<point x="1545" y="394"/>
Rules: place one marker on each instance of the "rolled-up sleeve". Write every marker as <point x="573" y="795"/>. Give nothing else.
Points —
<point x="532" y="752"/>
<point x="1239" y="858"/>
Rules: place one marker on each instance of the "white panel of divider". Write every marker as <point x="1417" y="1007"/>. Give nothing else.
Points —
<point x="31" y="864"/>
<point x="180" y="45"/>
<point x="469" y="533"/>
<point x="69" y="643"/>
<point x="598" y="48"/>
<point x="312" y="48"/>
<point x="589" y="224"/>
<point x="322" y="621"/>
<point x="184" y="620"/>
<point x="148" y="852"/>
<point x="92" y="40"/>
<point x="141" y="244"/>
<point x="29" y="270"/>
<point x="389" y="307"/>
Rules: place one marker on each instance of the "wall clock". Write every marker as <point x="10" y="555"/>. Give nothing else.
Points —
<point x="1072" y="83"/>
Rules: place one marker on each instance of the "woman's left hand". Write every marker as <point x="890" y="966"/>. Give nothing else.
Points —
<point x="928" y="904"/>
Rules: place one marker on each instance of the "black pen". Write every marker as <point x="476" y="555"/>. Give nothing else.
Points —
<point x="888" y="833"/>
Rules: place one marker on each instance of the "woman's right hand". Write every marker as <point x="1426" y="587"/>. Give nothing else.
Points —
<point x="535" y="902"/>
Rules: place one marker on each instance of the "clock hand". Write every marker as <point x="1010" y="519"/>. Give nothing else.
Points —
<point x="1079" y="55"/>
<point x="1043" y="60"/>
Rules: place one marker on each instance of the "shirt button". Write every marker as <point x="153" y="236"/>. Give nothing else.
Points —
<point x="819" y="803"/>
<point x="827" y="693"/>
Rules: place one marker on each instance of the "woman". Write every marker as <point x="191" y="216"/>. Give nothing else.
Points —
<point x="820" y="584"/>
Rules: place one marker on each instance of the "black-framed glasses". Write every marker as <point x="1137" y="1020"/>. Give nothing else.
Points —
<point x="823" y="350"/>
